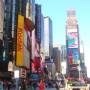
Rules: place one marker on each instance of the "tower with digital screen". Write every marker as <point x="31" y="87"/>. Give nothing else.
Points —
<point x="72" y="43"/>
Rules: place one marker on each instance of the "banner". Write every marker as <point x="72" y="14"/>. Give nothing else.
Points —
<point x="20" y="40"/>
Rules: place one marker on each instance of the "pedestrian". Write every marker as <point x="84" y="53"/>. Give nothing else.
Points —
<point x="42" y="85"/>
<point x="57" y="87"/>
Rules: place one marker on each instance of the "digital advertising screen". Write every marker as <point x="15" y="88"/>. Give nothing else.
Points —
<point x="73" y="55"/>
<point x="72" y="40"/>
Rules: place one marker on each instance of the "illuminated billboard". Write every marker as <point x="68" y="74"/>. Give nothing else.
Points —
<point x="73" y="55"/>
<point x="20" y="40"/>
<point x="72" y="40"/>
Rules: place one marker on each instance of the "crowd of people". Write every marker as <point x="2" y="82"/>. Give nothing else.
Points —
<point x="46" y="84"/>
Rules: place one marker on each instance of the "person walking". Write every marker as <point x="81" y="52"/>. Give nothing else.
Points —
<point x="42" y="85"/>
<point x="57" y="87"/>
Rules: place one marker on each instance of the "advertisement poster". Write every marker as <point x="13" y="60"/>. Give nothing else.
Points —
<point x="20" y="40"/>
<point x="73" y="56"/>
<point x="72" y="40"/>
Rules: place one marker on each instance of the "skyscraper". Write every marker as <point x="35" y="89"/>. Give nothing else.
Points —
<point x="63" y="59"/>
<point x="39" y="26"/>
<point x="56" y="59"/>
<point x="63" y="53"/>
<point x="7" y="36"/>
<point x="72" y="44"/>
<point x="42" y="33"/>
<point x="48" y="39"/>
<point x="83" y="67"/>
<point x="38" y="23"/>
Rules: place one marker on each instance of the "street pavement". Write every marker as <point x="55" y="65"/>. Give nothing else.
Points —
<point x="54" y="89"/>
<point x="50" y="89"/>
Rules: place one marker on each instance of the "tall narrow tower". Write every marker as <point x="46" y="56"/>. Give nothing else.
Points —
<point x="72" y="44"/>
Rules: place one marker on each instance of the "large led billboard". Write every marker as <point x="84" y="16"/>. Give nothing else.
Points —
<point x="20" y="40"/>
<point x="72" y="40"/>
<point x="73" y="56"/>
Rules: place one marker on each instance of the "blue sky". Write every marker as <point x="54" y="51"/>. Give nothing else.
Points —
<point x="57" y="11"/>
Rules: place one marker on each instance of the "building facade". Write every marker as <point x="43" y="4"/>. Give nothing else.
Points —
<point x="38" y="28"/>
<point x="7" y="36"/>
<point x="56" y="59"/>
<point x="1" y="32"/>
<point x="18" y="25"/>
<point x="38" y="23"/>
<point x="63" y="59"/>
<point x="42" y="34"/>
<point x="82" y="57"/>
<point x="63" y="53"/>
<point x="72" y="45"/>
<point x="48" y="40"/>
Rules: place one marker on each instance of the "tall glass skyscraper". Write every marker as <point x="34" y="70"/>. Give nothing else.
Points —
<point x="38" y="23"/>
<point x="48" y="38"/>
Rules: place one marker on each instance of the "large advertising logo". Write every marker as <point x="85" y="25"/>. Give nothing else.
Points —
<point x="73" y="55"/>
<point x="72" y="40"/>
<point x="20" y="40"/>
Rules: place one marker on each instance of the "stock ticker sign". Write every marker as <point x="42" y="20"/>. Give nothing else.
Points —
<point x="20" y="40"/>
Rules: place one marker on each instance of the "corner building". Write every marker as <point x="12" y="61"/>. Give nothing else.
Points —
<point x="72" y="45"/>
